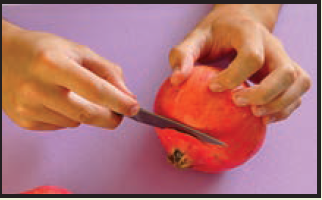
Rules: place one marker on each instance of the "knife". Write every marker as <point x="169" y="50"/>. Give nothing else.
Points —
<point x="155" y="120"/>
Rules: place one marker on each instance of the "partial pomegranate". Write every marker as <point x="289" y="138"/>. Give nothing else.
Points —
<point x="47" y="190"/>
<point x="192" y="103"/>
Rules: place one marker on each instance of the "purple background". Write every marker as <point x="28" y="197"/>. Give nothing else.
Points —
<point x="130" y="159"/>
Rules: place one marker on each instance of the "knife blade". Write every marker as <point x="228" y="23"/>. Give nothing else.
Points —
<point x="155" y="120"/>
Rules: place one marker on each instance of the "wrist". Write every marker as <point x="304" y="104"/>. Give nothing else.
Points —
<point x="9" y="31"/>
<point x="265" y="14"/>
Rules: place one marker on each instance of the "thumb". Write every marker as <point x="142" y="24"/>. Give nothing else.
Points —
<point x="183" y="56"/>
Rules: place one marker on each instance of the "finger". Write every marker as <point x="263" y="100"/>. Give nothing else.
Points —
<point x="183" y="56"/>
<point x="36" y="125"/>
<point x="300" y="86"/>
<point x="249" y="59"/>
<point x="282" y="115"/>
<point x="48" y="116"/>
<point x="105" y="69"/>
<point x="79" y="109"/>
<point x="272" y="86"/>
<point x="280" y="75"/>
<point x="67" y="73"/>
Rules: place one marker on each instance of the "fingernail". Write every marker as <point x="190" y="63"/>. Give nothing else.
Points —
<point x="215" y="87"/>
<point x="134" y="110"/>
<point x="240" y="101"/>
<point x="260" y="112"/>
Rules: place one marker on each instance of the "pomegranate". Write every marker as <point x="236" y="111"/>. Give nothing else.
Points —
<point x="193" y="104"/>
<point x="46" y="189"/>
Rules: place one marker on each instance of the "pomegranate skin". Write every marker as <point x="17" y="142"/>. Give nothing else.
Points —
<point x="193" y="103"/>
<point x="47" y="189"/>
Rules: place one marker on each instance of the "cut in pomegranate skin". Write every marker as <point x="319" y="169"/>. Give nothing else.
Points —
<point x="193" y="103"/>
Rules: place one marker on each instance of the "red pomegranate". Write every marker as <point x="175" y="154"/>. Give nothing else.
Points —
<point x="192" y="103"/>
<point x="46" y="189"/>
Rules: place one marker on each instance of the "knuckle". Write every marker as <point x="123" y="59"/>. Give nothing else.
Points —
<point x="44" y="60"/>
<point x="286" y="112"/>
<point x="118" y="70"/>
<point x="27" y="91"/>
<point x="295" y="105"/>
<point x="85" y="116"/>
<point x="285" y="108"/>
<point x="107" y="76"/>
<point x="298" y="104"/>
<point x="44" y="57"/>
<point x="289" y="74"/>
<point x="250" y="23"/>
<point x="112" y="73"/>
<point x="85" y="48"/>
<point x="287" y="104"/>
<point x="22" y="111"/>
<point x="255" y="57"/>
<point x="98" y="93"/>
<point x="307" y="82"/>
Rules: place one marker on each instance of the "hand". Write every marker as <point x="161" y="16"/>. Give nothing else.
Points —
<point x="261" y="58"/>
<point x="49" y="83"/>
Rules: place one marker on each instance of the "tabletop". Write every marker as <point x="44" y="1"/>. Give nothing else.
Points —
<point x="130" y="159"/>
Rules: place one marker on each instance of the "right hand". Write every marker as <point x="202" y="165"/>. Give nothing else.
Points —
<point x="50" y="83"/>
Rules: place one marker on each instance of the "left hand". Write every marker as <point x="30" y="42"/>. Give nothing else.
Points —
<point x="260" y="57"/>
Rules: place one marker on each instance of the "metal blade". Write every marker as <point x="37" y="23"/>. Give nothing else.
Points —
<point x="152" y="119"/>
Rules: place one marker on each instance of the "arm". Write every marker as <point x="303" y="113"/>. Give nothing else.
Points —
<point x="266" y="14"/>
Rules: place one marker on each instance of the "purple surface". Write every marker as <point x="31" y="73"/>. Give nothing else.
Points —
<point x="130" y="159"/>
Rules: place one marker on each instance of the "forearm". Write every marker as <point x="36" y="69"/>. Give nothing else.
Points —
<point x="267" y="14"/>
